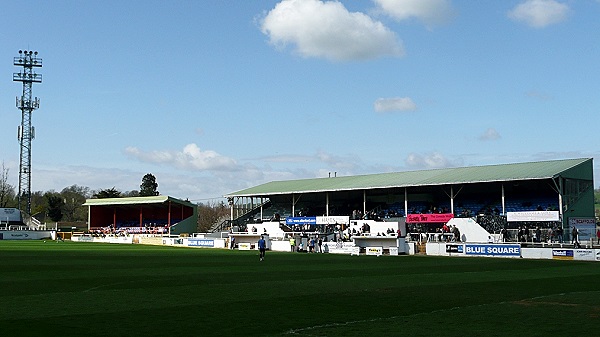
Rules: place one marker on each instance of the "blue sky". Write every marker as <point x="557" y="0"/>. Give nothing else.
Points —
<point x="215" y="96"/>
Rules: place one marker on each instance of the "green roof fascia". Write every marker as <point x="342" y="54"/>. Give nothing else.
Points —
<point x="460" y="175"/>
<point x="159" y="199"/>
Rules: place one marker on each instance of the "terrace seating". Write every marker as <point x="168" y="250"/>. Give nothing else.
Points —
<point x="532" y="204"/>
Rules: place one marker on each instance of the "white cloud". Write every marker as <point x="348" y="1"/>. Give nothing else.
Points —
<point x="490" y="134"/>
<point x="190" y="157"/>
<point x="538" y="95"/>
<point x="433" y="160"/>
<point x="394" y="104"/>
<point x="431" y="12"/>
<point x="57" y="178"/>
<point x="327" y="29"/>
<point x="195" y="187"/>
<point x="343" y="164"/>
<point x="540" y="13"/>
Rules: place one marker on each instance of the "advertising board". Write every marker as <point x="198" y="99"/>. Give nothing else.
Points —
<point x="311" y="220"/>
<point x="332" y="220"/>
<point x="340" y="247"/>
<point x="10" y="215"/>
<point x="374" y="250"/>
<point x="493" y="250"/>
<point x="317" y="220"/>
<point x="532" y="216"/>
<point x="452" y="248"/>
<point x="193" y="242"/>
<point x="586" y="227"/>
<point x="429" y="218"/>
<point x="583" y="254"/>
<point x="562" y="254"/>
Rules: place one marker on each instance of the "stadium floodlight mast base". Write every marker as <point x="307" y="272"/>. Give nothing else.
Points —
<point x="26" y="133"/>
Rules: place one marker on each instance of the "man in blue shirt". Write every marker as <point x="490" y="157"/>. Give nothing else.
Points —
<point x="262" y="247"/>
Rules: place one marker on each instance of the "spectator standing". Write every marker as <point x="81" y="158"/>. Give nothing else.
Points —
<point x="559" y="233"/>
<point x="575" y="238"/>
<point x="292" y="244"/>
<point x="456" y="233"/>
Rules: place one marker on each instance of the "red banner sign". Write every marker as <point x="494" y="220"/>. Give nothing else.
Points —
<point x="424" y="218"/>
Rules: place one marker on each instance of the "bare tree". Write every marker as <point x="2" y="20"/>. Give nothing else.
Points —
<point x="73" y="197"/>
<point x="210" y="214"/>
<point x="7" y="191"/>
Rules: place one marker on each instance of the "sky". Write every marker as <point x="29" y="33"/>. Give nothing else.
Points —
<point x="212" y="97"/>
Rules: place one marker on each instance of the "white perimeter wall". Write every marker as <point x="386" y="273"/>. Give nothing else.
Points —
<point x="27" y="235"/>
<point x="581" y="254"/>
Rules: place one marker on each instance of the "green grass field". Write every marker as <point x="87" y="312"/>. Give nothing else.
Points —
<point x="86" y="289"/>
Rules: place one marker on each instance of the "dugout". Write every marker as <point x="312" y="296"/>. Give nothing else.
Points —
<point x="143" y="215"/>
<point x="563" y="185"/>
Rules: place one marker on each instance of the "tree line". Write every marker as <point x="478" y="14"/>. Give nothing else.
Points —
<point x="66" y="205"/>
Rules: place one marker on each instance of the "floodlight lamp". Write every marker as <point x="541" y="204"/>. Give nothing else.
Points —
<point x="20" y="52"/>
<point x="35" y="53"/>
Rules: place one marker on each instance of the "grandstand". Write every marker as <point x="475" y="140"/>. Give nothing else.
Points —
<point x="142" y="215"/>
<point x="487" y="193"/>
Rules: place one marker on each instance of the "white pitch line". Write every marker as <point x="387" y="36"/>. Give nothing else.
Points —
<point x="331" y="325"/>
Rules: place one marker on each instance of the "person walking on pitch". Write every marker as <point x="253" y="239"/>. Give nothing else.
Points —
<point x="262" y="247"/>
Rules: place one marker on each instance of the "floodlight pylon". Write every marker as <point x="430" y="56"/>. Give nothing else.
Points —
<point x="26" y="133"/>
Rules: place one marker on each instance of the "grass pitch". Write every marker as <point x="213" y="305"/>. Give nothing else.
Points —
<point x="91" y="289"/>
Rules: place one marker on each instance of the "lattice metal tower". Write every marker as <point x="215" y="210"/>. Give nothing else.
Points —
<point x="28" y="60"/>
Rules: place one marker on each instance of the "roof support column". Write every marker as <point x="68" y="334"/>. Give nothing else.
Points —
<point x="451" y="199"/>
<point x="262" y="202"/>
<point x="169" y="215"/>
<point x="364" y="202"/>
<point x="293" y="205"/>
<point x="560" y="201"/>
<point x="503" y="201"/>
<point x="115" y="218"/>
<point x="327" y="204"/>
<point x="405" y="202"/>
<point x="89" y="217"/>
<point x="452" y="196"/>
<point x="141" y="217"/>
<point x="559" y="190"/>
<point x="231" y="202"/>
